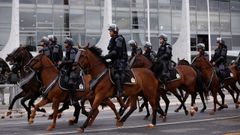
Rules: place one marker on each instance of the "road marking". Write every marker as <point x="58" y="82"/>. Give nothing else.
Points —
<point x="138" y="126"/>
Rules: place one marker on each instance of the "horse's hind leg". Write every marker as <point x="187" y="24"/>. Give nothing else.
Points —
<point x="203" y="101"/>
<point x="234" y="87"/>
<point x="33" y="113"/>
<point x="133" y="107"/>
<point x="145" y="102"/>
<point x="223" y="100"/>
<point x="166" y="100"/>
<point x="231" y="92"/>
<point x="27" y="108"/>
<point x="20" y="95"/>
<point x="63" y="108"/>
<point x="182" y="102"/>
<point x="31" y="103"/>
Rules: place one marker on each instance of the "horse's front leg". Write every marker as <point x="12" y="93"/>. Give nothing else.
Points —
<point x="55" y="106"/>
<point x="37" y="106"/>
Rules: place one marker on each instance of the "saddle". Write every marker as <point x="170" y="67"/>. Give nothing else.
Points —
<point x="174" y="75"/>
<point x="77" y="82"/>
<point x="226" y="74"/>
<point x="129" y="79"/>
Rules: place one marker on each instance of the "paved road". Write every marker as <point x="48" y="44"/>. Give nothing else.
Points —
<point x="223" y="122"/>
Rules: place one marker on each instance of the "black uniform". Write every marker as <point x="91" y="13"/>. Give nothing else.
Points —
<point x="150" y="55"/>
<point x="220" y="58"/>
<point x="118" y="55"/>
<point x="46" y="50"/>
<point x="57" y="53"/>
<point x="164" y="56"/>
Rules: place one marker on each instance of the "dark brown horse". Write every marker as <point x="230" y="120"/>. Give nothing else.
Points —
<point x="210" y="79"/>
<point x="145" y="82"/>
<point x="30" y="90"/>
<point x="44" y="66"/>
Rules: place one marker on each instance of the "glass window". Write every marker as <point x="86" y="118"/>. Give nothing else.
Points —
<point x="27" y="19"/>
<point x="202" y="25"/>
<point x="28" y="39"/>
<point x="123" y="20"/>
<point x="58" y="16"/>
<point x="44" y="17"/>
<point x="77" y="18"/>
<point x="58" y="2"/>
<point x="4" y="36"/>
<point x="93" y="20"/>
<point x="164" y="17"/>
<point x="225" y="24"/>
<point x="5" y="24"/>
<point x="138" y="20"/>
<point x="6" y="1"/>
<point x="121" y="3"/>
<point x="77" y="2"/>
<point x="137" y="3"/>
<point x="44" y="1"/>
<point x="236" y="42"/>
<point x="27" y="1"/>
<point x="176" y="15"/>
<point x="154" y="21"/>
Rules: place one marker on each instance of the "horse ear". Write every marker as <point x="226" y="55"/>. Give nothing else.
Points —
<point x="88" y="45"/>
<point x="178" y="59"/>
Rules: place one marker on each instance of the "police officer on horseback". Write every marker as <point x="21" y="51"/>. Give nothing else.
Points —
<point x="163" y="58"/>
<point x="134" y="48"/>
<point x="118" y="55"/>
<point x="219" y="59"/>
<point x="67" y="65"/>
<point x="46" y="50"/>
<point x="148" y="53"/>
<point x="57" y="53"/>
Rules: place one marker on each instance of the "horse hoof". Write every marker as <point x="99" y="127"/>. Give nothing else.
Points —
<point x="140" y="109"/>
<point x="164" y="118"/>
<point x="2" y="117"/>
<point x="80" y="130"/>
<point x="59" y="115"/>
<point x="50" y="128"/>
<point x="43" y="115"/>
<point x="8" y="113"/>
<point x="30" y="121"/>
<point x="196" y="108"/>
<point x="50" y="117"/>
<point x="192" y="112"/>
<point x="71" y="122"/>
<point x="145" y="118"/>
<point x="211" y="113"/>
<point x="176" y="110"/>
<point x="150" y="126"/>
<point x="43" y="110"/>
<point x="220" y="108"/>
<point x="225" y="106"/>
<point x="10" y="117"/>
<point x="119" y="124"/>
<point x="186" y="113"/>
<point x="238" y="102"/>
<point x="202" y="111"/>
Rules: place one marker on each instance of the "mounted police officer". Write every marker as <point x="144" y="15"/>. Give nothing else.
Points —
<point x="57" y="53"/>
<point x="134" y="48"/>
<point x="46" y="50"/>
<point x="148" y="53"/>
<point x="219" y="59"/>
<point x="118" y="55"/>
<point x="67" y="65"/>
<point x="164" y="56"/>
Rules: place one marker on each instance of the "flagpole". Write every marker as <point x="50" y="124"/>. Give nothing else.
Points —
<point x="148" y="21"/>
<point x="209" y="32"/>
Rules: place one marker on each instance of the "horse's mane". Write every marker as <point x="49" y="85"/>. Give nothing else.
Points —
<point x="27" y="48"/>
<point x="96" y="50"/>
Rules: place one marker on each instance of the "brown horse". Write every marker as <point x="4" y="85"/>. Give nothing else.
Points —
<point x="31" y="90"/>
<point x="145" y="82"/>
<point x="230" y="84"/>
<point x="44" y="66"/>
<point x="210" y="79"/>
<point x="140" y="61"/>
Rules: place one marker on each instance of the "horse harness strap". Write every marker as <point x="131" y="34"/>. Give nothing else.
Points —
<point x="95" y="81"/>
<point x="132" y="61"/>
<point x="210" y="81"/>
<point x="49" y="87"/>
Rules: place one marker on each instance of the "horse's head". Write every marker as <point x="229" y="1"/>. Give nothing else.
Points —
<point x="37" y="63"/>
<point x="89" y="58"/>
<point x="18" y="55"/>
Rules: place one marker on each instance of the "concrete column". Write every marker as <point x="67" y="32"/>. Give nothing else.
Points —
<point x="181" y="49"/>
<point x="13" y="41"/>
<point x="107" y="19"/>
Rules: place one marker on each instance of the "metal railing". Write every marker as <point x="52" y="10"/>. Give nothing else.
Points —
<point x="14" y="89"/>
